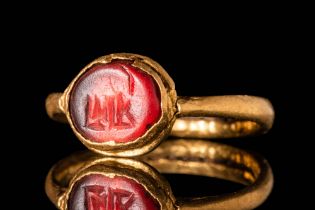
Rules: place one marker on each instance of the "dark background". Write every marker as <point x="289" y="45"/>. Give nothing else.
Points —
<point x="204" y="54"/>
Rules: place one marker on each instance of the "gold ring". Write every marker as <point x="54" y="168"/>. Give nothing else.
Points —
<point x="125" y="104"/>
<point x="90" y="181"/>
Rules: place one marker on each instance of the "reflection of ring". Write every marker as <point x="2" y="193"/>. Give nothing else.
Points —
<point x="87" y="181"/>
<point x="125" y="104"/>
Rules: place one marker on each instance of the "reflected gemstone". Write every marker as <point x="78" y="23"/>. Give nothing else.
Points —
<point x="115" y="102"/>
<point x="99" y="192"/>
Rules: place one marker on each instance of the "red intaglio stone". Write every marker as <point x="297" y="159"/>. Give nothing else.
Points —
<point x="115" y="102"/>
<point x="99" y="192"/>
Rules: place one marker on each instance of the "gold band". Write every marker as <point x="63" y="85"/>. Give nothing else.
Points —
<point x="118" y="123"/>
<point x="216" y="160"/>
<point x="196" y="157"/>
<point x="205" y="117"/>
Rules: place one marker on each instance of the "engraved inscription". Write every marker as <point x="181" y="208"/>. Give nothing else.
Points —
<point x="99" y="192"/>
<point x="114" y="102"/>
<point x="107" y="112"/>
<point x="100" y="198"/>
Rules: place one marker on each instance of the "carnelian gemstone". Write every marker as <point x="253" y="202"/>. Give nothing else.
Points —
<point x="115" y="102"/>
<point x="99" y="192"/>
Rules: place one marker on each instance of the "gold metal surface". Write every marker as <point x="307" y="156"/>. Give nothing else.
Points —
<point x="198" y="157"/>
<point x="66" y="173"/>
<point x="205" y="158"/>
<point x="194" y="117"/>
<point x="57" y="104"/>
<point x="222" y="116"/>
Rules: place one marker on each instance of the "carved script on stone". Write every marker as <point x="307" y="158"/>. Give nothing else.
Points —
<point x="100" y="198"/>
<point x="107" y="112"/>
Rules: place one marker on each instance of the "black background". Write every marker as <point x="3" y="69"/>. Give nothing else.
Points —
<point x="204" y="54"/>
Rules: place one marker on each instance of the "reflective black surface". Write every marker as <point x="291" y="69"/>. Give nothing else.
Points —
<point x="204" y="58"/>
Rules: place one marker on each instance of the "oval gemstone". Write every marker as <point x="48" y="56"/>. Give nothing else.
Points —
<point x="115" y="102"/>
<point x="99" y="192"/>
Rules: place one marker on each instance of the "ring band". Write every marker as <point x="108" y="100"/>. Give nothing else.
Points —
<point x="91" y="180"/>
<point x="126" y="104"/>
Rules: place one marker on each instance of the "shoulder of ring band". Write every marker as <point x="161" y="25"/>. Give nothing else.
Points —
<point x="86" y="180"/>
<point x="126" y="104"/>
